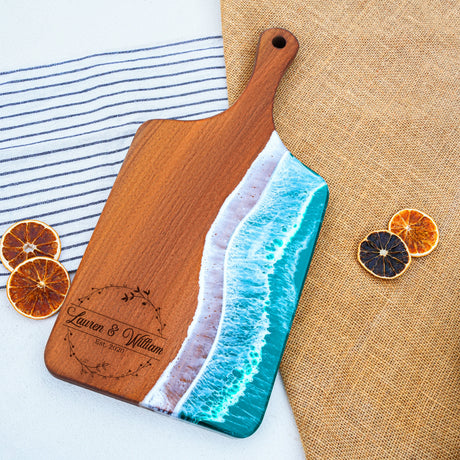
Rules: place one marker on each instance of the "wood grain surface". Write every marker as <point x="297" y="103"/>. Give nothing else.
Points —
<point x="135" y="292"/>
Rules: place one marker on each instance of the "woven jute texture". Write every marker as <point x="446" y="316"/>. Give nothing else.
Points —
<point x="371" y="103"/>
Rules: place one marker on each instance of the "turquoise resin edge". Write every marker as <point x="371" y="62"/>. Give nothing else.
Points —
<point x="266" y="259"/>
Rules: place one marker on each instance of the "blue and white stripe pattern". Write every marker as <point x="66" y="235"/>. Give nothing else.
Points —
<point x="65" y="128"/>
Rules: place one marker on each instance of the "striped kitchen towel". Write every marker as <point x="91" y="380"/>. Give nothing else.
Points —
<point x="65" y="128"/>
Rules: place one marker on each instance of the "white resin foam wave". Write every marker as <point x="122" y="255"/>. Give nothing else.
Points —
<point x="175" y="382"/>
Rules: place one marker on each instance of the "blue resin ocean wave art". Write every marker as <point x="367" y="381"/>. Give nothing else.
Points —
<point x="255" y="259"/>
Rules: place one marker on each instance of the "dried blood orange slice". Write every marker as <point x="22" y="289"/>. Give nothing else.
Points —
<point x="27" y="239"/>
<point x="37" y="287"/>
<point x="384" y="254"/>
<point x="418" y="230"/>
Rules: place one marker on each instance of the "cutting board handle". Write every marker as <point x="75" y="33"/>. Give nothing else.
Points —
<point x="276" y="50"/>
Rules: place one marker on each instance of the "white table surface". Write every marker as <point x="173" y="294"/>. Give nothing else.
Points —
<point x="45" y="418"/>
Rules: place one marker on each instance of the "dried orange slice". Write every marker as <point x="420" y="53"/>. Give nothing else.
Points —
<point x="384" y="254"/>
<point x="27" y="239"/>
<point x="418" y="230"/>
<point x="37" y="287"/>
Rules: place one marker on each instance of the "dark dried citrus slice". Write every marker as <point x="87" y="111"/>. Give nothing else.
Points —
<point x="27" y="239"/>
<point x="418" y="230"/>
<point x="384" y="254"/>
<point x="37" y="287"/>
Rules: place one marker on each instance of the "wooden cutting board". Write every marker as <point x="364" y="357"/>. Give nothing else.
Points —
<point x="185" y="295"/>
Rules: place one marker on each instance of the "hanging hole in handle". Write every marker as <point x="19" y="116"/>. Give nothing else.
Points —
<point x="279" y="42"/>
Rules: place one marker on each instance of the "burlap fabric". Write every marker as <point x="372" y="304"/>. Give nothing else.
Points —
<point x="371" y="103"/>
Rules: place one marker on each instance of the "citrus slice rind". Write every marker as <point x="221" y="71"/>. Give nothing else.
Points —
<point x="37" y="287"/>
<point x="384" y="254"/>
<point x="27" y="239"/>
<point x="418" y="230"/>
